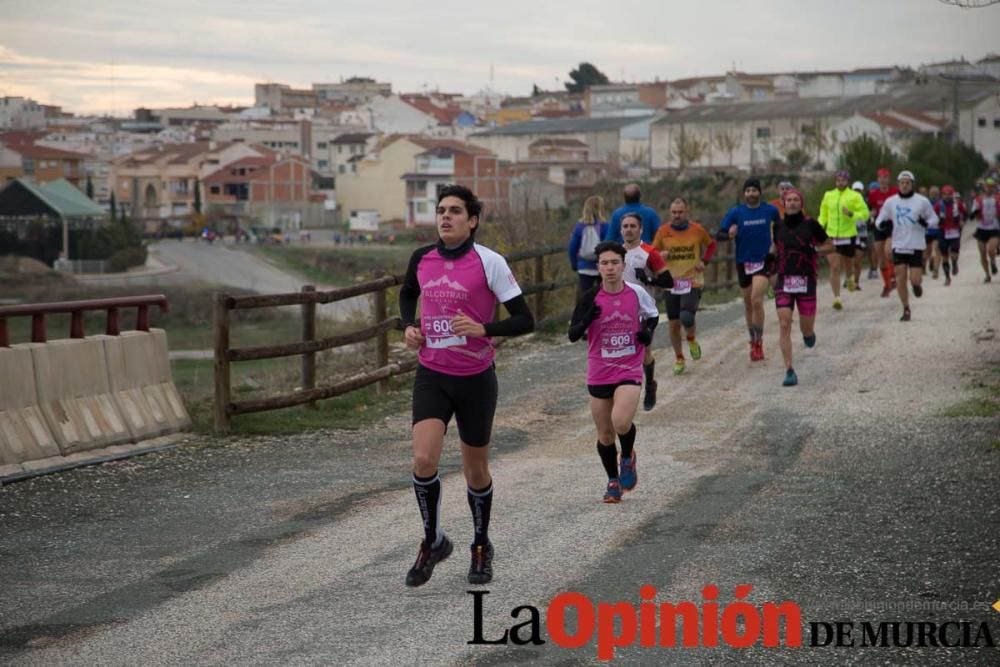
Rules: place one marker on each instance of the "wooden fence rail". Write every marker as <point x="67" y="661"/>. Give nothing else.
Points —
<point x="720" y="274"/>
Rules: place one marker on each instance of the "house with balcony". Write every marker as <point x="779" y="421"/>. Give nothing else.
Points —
<point x="44" y="164"/>
<point x="447" y="162"/>
<point x="158" y="183"/>
<point x="271" y="190"/>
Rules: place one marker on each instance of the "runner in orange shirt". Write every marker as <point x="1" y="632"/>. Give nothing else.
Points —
<point x="687" y="248"/>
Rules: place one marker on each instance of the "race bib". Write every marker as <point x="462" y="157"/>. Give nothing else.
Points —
<point x="846" y="241"/>
<point x="796" y="284"/>
<point x="751" y="268"/>
<point x="953" y="233"/>
<point x="903" y="251"/>
<point x="615" y="345"/>
<point x="439" y="334"/>
<point x="681" y="286"/>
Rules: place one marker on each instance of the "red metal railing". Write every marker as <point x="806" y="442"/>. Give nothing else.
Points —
<point x="76" y="309"/>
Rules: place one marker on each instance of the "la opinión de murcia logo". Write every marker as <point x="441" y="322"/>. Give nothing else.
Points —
<point x="572" y="621"/>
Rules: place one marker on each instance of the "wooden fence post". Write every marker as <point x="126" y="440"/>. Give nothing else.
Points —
<point x="222" y="379"/>
<point x="309" y="334"/>
<point x="540" y="295"/>
<point x="382" y="340"/>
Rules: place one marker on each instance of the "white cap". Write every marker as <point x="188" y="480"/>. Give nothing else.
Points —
<point x="906" y="174"/>
<point x="858" y="185"/>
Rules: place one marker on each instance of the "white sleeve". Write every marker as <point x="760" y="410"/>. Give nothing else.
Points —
<point x="647" y="307"/>
<point x="932" y="217"/>
<point x="499" y="277"/>
<point x="883" y="213"/>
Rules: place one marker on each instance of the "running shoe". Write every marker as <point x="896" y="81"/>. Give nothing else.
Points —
<point x="918" y="291"/>
<point x="613" y="494"/>
<point x="481" y="567"/>
<point x="810" y="341"/>
<point x="850" y="284"/>
<point x="695" y="349"/>
<point x="947" y="281"/>
<point x="872" y="274"/>
<point x="987" y="279"/>
<point x="678" y="365"/>
<point x="857" y="287"/>
<point x="427" y="558"/>
<point x="934" y="275"/>
<point x="791" y="379"/>
<point x="650" y="401"/>
<point x="837" y="305"/>
<point x="906" y="315"/>
<point x="770" y="290"/>
<point x="627" y="476"/>
<point x="753" y="350"/>
<point x="886" y="291"/>
<point x="757" y="350"/>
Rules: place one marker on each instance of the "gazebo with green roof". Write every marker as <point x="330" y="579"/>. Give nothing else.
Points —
<point x="23" y="200"/>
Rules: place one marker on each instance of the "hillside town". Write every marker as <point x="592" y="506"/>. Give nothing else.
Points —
<point x="357" y="154"/>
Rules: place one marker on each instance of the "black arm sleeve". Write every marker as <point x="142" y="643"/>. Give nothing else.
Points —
<point x="520" y="321"/>
<point x="664" y="280"/>
<point x="650" y="324"/>
<point x="577" y="325"/>
<point x="409" y="292"/>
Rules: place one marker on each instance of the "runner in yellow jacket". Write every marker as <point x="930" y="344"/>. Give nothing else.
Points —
<point x="839" y="213"/>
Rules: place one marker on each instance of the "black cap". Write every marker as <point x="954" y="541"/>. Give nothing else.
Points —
<point x="752" y="182"/>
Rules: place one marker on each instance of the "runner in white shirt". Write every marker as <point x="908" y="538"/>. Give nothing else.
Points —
<point x="986" y="211"/>
<point x="646" y="268"/>
<point x="907" y="214"/>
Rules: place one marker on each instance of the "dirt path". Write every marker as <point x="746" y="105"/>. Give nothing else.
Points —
<point x="850" y="489"/>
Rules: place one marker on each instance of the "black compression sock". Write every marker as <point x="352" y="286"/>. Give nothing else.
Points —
<point x="428" y="492"/>
<point x="480" y="502"/>
<point x="946" y="265"/>
<point x="649" y="369"/>
<point x="609" y="457"/>
<point x="628" y="441"/>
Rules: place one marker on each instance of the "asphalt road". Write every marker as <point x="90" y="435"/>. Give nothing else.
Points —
<point x="220" y="264"/>
<point x="851" y="495"/>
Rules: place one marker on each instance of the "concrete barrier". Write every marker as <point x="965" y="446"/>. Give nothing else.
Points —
<point x="139" y="379"/>
<point x="24" y="435"/>
<point x="71" y="379"/>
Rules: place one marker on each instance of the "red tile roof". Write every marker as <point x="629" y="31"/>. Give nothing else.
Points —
<point x="886" y="120"/>
<point x="445" y="115"/>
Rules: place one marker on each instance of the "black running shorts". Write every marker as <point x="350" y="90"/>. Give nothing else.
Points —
<point x="882" y="236"/>
<point x="985" y="235"/>
<point x="607" y="391"/>
<point x="746" y="280"/>
<point x="846" y="250"/>
<point x="677" y="302"/>
<point x="914" y="261"/>
<point x="472" y="399"/>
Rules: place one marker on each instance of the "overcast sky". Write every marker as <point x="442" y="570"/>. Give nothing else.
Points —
<point x="113" y="56"/>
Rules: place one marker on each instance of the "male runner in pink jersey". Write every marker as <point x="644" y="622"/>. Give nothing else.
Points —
<point x="458" y="283"/>
<point x="618" y="318"/>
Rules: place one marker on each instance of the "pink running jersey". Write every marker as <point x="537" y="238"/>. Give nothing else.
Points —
<point x="614" y="354"/>
<point x="472" y="284"/>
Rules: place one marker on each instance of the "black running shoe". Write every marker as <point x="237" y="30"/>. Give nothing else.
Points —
<point x="481" y="567"/>
<point x="427" y="558"/>
<point x="649" y="402"/>
<point x="906" y="315"/>
<point x="918" y="291"/>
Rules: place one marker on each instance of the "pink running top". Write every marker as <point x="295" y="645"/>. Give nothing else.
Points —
<point x="471" y="284"/>
<point x="614" y="355"/>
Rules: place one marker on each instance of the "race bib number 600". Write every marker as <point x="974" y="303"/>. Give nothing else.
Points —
<point x="439" y="334"/>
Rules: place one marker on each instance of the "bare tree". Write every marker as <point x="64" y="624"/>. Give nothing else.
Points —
<point x="970" y="4"/>
<point x="687" y="148"/>
<point x="728" y="141"/>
